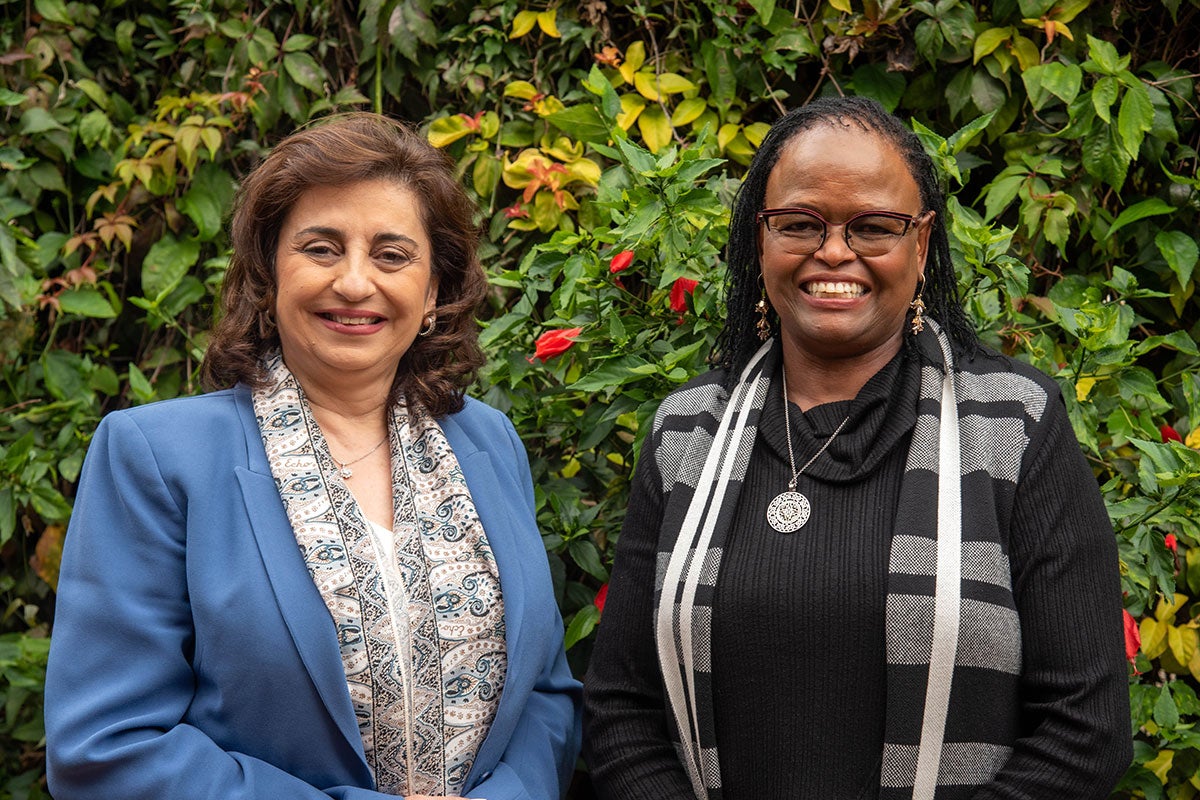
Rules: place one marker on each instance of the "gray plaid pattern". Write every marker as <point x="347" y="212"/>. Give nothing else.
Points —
<point x="700" y="436"/>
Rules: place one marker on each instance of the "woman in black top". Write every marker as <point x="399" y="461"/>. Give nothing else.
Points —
<point x="864" y="558"/>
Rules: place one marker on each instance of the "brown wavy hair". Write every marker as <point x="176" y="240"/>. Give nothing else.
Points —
<point x="341" y="150"/>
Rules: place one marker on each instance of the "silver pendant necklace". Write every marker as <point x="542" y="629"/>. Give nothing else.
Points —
<point x="788" y="512"/>
<point x="344" y="466"/>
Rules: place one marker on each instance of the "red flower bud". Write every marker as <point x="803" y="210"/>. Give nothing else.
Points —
<point x="554" y="343"/>
<point x="601" y="598"/>
<point x="679" y="292"/>
<point x="1169" y="434"/>
<point x="1171" y="543"/>
<point x="1133" y="636"/>
<point x="621" y="261"/>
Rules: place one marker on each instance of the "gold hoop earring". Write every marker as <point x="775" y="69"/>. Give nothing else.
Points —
<point x="918" y="309"/>
<point x="430" y="324"/>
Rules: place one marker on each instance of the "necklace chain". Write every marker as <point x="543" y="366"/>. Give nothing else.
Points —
<point x="788" y="512"/>
<point x="787" y="423"/>
<point x="344" y="466"/>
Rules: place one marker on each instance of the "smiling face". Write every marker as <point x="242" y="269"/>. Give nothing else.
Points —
<point x="835" y="304"/>
<point x="354" y="271"/>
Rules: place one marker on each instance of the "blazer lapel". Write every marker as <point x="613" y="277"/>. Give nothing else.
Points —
<point x="492" y="502"/>
<point x="300" y="603"/>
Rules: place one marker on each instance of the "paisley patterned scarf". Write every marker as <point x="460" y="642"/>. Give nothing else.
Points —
<point x="422" y="633"/>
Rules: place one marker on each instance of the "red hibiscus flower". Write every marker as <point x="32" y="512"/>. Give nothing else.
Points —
<point x="1133" y="637"/>
<point x="1171" y="543"/>
<point x="620" y="262"/>
<point x="1170" y="434"/>
<point x="555" y="343"/>
<point x="601" y="598"/>
<point x="679" y="292"/>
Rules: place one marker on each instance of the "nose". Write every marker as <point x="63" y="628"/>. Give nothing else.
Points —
<point x="835" y="249"/>
<point x="354" y="279"/>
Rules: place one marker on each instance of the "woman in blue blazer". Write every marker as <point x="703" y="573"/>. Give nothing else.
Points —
<point x="325" y="581"/>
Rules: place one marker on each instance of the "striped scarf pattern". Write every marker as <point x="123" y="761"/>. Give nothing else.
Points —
<point x="953" y="637"/>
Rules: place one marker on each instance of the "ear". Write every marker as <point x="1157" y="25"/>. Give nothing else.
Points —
<point x="431" y="294"/>
<point x="924" y="230"/>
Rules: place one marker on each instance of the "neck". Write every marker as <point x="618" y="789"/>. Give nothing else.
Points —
<point x="814" y="381"/>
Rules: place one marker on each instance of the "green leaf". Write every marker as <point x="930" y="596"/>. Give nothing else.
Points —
<point x="875" y="81"/>
<point x="613" y="373"/>
<point x="38" y="120"/>
<point x="298" y="41"/>
<point x="305" y="71"/>
<point x="208" y="199"/>
<point x="1135" y="117"/>
<point x="1180" y="251"/>
<point x="583" y="550"/>
<point x="10" y="98"/>
<point x="1104" y="95"/>
<point x="64" y="374"/>
<point x="167" y="261"/>
<point x="1146" y="208"/>
<point x="582" y="624"/>
<point x="86" y="301"/>
<point x="1166" y="714"/>
<point x="929" y="39"/>
<point x="989" y="40"/>
<point x="582" y="122"/>
<point x="54" y="10"/>
<point x="1054" y="79"/>
<point x="765" y="9"/>
<point x="1105" y="55"/>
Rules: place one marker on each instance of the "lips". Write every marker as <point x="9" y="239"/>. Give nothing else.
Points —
<point x="834" y="289"/>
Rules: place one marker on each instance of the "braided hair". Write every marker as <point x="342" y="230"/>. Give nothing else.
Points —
<point x="739" y="340"/>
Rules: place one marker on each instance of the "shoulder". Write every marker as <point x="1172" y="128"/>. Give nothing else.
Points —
<point x="990" y="377"/>
<point x="477" y="418"/>
<point x="704" y="395"/>
<point x="200" y="416"/>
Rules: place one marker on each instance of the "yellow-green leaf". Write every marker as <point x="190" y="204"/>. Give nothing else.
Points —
<point x="547" y="21"/>
<point x="1154" y="636"/>
<point x="756" y="132"/>
<point x="1192" y="440"/>
<point x="646" y="85"/>
<point x="841" y="5"/>
<point x="635" y="56"/>
<point x="673" y="83"/>
<point x="523" y="23"/>
<point x="523" y="90"/>
<point x="655" y="128"/>
<point x="486" y="175"/>
<point x="447" y="130"/>
<point x="631" y="107"/>
<point x="1160" y="765"/>
<point x="1027" y="52"/>
<point x="1183" y="643"/>
<point x="1083" y="387"/>
<point x="726" y="134"/>
<point x="989" y="40"/>
<point x="688" y="110"/>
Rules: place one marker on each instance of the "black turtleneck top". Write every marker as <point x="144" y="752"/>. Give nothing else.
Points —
<point x="800" y="668"/>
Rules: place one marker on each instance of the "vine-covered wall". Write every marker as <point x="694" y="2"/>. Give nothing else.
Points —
<point x="604" y="141"/>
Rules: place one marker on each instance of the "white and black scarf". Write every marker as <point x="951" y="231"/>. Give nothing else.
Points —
<point x="953" y="638"/>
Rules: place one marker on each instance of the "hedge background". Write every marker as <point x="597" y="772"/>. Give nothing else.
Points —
<point x="604" y="140"/>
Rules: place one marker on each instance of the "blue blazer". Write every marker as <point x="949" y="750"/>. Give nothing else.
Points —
<point x="193" y="656"/>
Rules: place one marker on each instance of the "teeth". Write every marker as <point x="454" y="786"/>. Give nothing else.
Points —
<point x="835" y="289"/>
<point x="353" y="320"/>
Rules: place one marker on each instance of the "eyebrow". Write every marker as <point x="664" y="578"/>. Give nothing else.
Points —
<point x="322" y="230"/>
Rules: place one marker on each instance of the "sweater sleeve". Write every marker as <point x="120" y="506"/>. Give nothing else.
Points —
<point x="1074" y="693"/>
<point x="626" y="740"/>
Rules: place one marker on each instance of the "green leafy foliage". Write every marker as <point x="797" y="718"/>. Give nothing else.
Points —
<point x="604" y="144"/>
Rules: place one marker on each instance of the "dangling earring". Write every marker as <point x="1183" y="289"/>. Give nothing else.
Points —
<point x="763" y="326"/>
<point x="918" y="308"/>
<point x="430" y="324"/>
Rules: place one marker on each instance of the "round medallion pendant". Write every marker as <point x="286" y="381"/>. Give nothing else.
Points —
<point x="788" y="512"/>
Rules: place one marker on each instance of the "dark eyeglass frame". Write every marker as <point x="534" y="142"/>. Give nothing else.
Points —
<point x="910" y="224"/>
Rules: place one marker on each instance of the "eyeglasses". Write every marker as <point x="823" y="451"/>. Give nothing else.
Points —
<point x="802" y="231"/>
